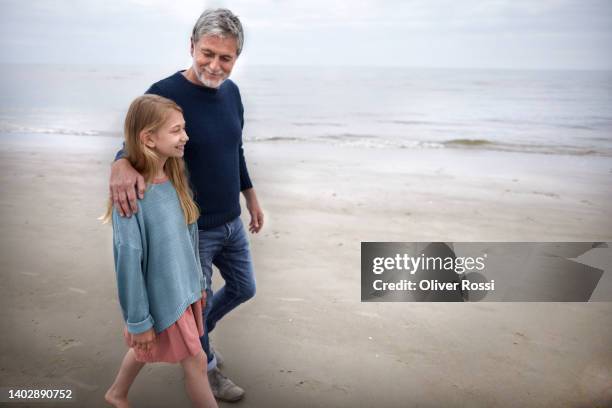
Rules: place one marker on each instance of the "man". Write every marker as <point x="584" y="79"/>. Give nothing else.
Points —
<point x="214" y="156"/>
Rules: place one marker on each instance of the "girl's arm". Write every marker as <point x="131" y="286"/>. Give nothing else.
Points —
<point x="131" y="283"/>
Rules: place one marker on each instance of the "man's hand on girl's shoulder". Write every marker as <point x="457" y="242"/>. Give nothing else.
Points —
<point x="125" y="183"/>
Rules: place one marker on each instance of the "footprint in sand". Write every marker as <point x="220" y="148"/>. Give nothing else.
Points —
<point x="77" y="290"/>
<point x="519" y="337"/>
<point x="551" y="195"/>
<point x="66" y="344"/>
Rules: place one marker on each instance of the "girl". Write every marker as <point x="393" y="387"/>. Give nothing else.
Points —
<point x="159" y="277"/>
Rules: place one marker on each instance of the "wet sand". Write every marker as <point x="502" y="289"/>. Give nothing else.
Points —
<point x="306" y="340"/>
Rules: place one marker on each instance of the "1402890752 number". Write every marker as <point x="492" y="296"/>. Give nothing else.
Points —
<point x="39" y="394"/>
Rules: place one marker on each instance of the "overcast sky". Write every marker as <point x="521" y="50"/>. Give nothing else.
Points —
<point x="540" y="34"/>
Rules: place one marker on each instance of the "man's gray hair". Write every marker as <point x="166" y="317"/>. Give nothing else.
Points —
<point x="219" y="22"/>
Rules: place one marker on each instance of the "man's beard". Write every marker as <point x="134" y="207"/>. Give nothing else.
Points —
<point x="207" y="82"/>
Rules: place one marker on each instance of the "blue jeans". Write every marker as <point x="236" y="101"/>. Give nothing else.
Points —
<point x="226" y="247"/>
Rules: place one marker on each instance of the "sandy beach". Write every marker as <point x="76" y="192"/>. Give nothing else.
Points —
<point x="306" y="340"/>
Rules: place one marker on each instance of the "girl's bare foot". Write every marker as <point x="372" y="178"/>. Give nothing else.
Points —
<point x="115" y="400"/>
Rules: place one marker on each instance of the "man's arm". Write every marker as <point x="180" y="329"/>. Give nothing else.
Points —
<point x="246" y="186"/>
<point x="125" y="182"/>
<point x="257" y="215"/>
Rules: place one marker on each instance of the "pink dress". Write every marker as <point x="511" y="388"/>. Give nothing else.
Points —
<point x="179" y="341"/>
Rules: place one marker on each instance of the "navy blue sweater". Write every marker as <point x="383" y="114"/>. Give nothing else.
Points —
<point x="214" y="156"/>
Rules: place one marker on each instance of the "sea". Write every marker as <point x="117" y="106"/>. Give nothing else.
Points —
<point x="529" y="111"/>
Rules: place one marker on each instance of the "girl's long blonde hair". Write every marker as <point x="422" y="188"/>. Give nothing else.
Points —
<point x="148" y="113"/>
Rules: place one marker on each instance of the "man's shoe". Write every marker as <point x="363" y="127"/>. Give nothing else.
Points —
<point x="217" y="355"/>
<point x="223" y="388"/>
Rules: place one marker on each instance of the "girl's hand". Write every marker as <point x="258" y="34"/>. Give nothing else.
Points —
<point x="144" y="341"/>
